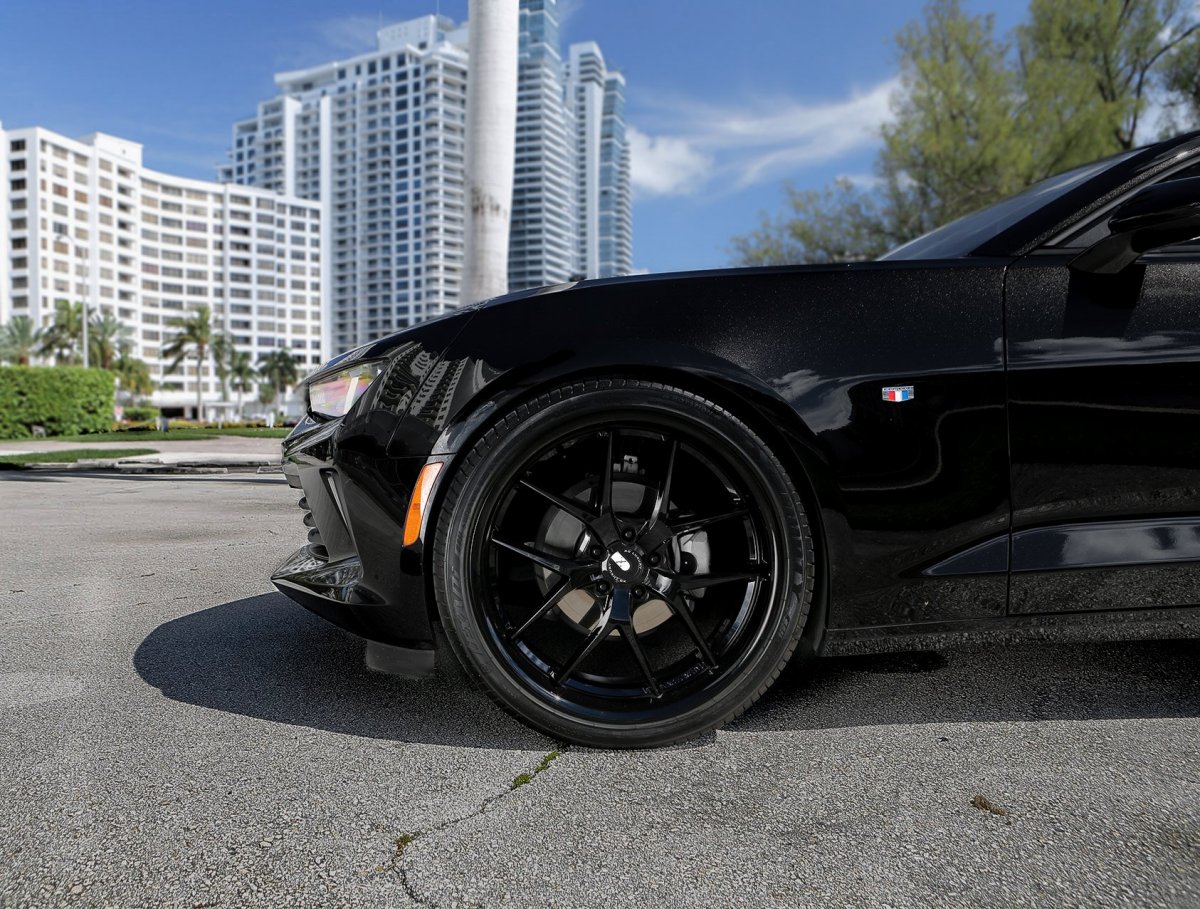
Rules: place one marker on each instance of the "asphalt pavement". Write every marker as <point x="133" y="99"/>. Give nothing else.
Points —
<point x="173" y="733"/>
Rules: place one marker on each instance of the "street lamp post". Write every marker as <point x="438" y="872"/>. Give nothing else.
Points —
<point x="61" y="231"/>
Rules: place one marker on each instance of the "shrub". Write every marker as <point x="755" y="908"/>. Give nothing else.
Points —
<point x="65" y="400"/>
<point x="141" y="413"/>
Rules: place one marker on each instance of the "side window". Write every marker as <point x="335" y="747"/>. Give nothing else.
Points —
<point x="1097" y="228"/>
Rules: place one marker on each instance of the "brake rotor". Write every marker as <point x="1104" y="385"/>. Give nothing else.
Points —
<point x="560" y="533"/>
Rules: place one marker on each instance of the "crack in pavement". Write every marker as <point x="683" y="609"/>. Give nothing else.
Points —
<point x="406" y="839"/>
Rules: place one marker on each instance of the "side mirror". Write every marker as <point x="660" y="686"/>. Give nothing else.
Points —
<point x="1160" y="215"/>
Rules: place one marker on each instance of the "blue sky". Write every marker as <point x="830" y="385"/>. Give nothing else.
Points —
<point x="727" y="100"/>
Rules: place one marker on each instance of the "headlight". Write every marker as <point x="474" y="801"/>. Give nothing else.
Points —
<point x="333" y="395"/>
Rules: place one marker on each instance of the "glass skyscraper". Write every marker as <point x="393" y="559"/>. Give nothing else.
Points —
<point x="379" y="141"/>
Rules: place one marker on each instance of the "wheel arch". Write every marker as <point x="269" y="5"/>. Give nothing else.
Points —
<point x="748" y="399"/>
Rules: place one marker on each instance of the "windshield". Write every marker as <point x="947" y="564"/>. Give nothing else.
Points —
<point x="968" y="233"/>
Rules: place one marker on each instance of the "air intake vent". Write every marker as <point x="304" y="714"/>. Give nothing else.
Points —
<point x="316" y="544"/>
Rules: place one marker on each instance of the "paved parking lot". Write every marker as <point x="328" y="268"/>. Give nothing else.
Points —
<point x="173" y="733"/>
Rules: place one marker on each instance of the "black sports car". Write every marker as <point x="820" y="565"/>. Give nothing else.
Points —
<point x="631" y="502"/>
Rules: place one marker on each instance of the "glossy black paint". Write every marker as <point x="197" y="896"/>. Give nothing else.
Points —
<point x="1104" y="373"/>
<point x="1051" y="409"/>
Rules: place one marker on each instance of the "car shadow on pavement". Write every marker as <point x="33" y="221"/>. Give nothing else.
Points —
<point x="266" y="657"/>
<point x="1009" y="683"/>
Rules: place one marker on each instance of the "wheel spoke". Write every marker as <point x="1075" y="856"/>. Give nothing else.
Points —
<point x="680" y="610"/>
<point x="595" y="637"/>
<point x="631" y="638"/>
<point x="606" y="478"/>
<point x="551" y="601"/>
<point x="574" y="509"/>
<point x="557" y="564"/>
<point x="695" y="524"/>
<point x="700" y="581"/>
<point x="661" y="503"/>
<point x="661" y="531"/>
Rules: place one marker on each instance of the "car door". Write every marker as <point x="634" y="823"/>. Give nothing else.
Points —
<point x="1104" y="423"/>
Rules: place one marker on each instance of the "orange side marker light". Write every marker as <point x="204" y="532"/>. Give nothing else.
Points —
<point x="418" y="502"/>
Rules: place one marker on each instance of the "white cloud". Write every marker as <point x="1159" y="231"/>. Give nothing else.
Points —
<point x="860" y="181"/>
<point x="665" y="165"/>
<point x="1155" y="120"/>
<point x="741" y="145"/>
<point x="349" y="35"/>
<point x="567" y="10"/>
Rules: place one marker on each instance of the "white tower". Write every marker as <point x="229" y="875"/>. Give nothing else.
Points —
<point x="490" y="146"/>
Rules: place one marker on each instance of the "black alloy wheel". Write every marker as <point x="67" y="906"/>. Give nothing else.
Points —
<point x="623" y="563"/>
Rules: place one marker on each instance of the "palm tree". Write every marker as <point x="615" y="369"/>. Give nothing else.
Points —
<point x="133" y="374"/>
<point x="267" y="393"/>
<point x="241" y="374"/>
<point x="279" y="369"/>
<point x="194" y="338"/>
<point x="18" y="340"/>
<point x="61" y="339"/>
<point x="222" y="351"/>
<point x="106" y="335"/>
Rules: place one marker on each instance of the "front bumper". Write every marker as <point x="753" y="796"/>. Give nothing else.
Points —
<point x="354" y="570"/>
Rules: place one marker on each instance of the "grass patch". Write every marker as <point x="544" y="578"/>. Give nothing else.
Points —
<point x="403" y="841"/>
<point x="254" y="431"/>
<point x="207" y="434"/>
<point x="148" y="435"/>
<point x="524" y="778"/>
<point x="983" y="803"/>
<point x="182" y="434"/>
<point x="72" y="455"/>
<point x="174" y="435"/>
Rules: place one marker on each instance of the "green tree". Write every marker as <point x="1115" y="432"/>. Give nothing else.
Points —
<point x="18" y="340"/>
<point x="839" y="223"/>
<point x="194" y="338"/>
<point x="241" y="375"/>
<point x="62" y="338"/>
<point x="280" y="371"/>
<point x="106" y="335"/>
<point x="222" y="352"/>
<point x="267" y="393"/>
<point x="133" y="374"/>
<point x="1093" y="67"/>
<point x="1181" y="76"/>
<point x="978" y="117"/>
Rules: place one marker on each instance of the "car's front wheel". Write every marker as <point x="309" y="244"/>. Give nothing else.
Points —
<point x="623" y="563"/>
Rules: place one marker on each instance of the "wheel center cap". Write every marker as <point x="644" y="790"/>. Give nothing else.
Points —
<point x="625" y="565"/>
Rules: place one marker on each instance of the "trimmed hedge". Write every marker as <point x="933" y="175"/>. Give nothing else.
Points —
<point x="142" y="413"/>
<point x="65" y="400"/>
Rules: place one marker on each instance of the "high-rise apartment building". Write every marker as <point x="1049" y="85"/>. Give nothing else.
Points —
<point x="379" y="141"/>
<point x="83" y="220"/>
<point x="543" y="241"/>
<point x="603" y="202"/>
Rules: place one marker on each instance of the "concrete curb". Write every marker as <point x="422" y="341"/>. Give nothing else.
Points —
<point x="261" y="466"/>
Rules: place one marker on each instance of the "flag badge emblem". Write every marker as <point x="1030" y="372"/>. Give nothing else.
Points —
<point x="898" y="393"/>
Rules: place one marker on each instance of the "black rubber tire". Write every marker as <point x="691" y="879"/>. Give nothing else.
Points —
<point x="503" y="447"/>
